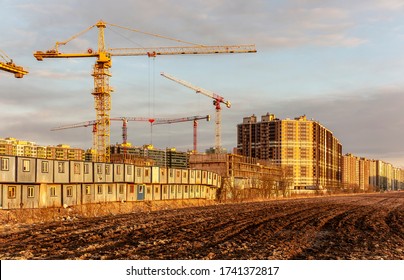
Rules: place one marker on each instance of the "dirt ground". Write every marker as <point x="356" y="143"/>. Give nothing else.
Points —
<point x="366" y="226"/>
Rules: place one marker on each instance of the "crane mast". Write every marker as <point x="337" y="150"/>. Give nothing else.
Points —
<point x="187" y="119"/>
<point x="217" y="100"/>
<point x="102" y="90"/>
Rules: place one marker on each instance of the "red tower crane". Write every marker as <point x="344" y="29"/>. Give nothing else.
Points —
<point x="95" y="123"/>
<point x="187" y="119"/>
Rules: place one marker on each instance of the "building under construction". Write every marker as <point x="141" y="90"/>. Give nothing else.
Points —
<point x="170" y="157"/>
<point x="243" y="177"/>
<point x="308" y="151"/>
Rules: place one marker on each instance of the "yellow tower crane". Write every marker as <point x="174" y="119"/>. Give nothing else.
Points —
<point x="8" y="65"/>
<point x="102" y="90"/>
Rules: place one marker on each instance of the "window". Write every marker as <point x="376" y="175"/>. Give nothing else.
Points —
<point x="109" y="189"/>
<point x="120" y="189"/>
<point x="11" y="192"/>
<point x="156" y="190"/>
<point x="186" y="189"/>
<point x="146" y="172"/>
<point x="99" y="189"/>
<point x="172" y="189"/>
<point x="88" y="189"/>
<point x="45" y="166"/>
<point x="52" y="191"/>
<point x="4" y="164"/>
<point x="165" y="190"/>
<point x="192" y="174"/>
<point x="129" y="170"/>
<point x="69" y="191"/>
<point x="179" y="189"/>
<point x="171" y="173"/>
<point x="61" y="167"/>
<point x="99" y="169"/>
<point x="76" y="168"/>
<point x="108" y="169"/>
<point x="118" y="170"/>
<point x="86" y="168"/>
<point x="138" y="172"/>
<point x="184" y="175"/>
<point x="140" y="188"/>
<point x="26" y="165"/>
<point x="30" y="192"/>
<point x="178" y="174"/>
<point x="131" y="188"/>
<point x="148" y="190"/>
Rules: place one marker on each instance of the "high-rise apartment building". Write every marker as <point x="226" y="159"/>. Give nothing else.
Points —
<point x="308" y="152"/>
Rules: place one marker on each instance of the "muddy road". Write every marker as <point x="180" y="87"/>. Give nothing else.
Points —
<point x="367" y="226"/>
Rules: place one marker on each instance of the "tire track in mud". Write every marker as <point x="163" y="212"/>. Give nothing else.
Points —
<point x="344" y="227"/>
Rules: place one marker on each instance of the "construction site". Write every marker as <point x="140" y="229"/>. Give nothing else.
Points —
<point x="142" y="202"/>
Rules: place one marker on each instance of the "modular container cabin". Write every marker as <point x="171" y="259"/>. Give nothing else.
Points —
<point x="7" y="169"/>
<point x="139" y="175"/>
<point x="129" y="173"/>
<point x="26" y="170"/>
<point x="61" y="172"/>
<point x="10" y="196"/>
<point x="76" y="172"/>
<point x="44" y="171"/>
<point x="119" y="173"/>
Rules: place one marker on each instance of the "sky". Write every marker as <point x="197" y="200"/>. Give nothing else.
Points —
<point x="337" y="62"/>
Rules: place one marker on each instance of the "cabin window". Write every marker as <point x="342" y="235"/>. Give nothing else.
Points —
<point x="146" y="172"/>
<point x="204" y="175"/>
<point x="210" y="175"/>
<point x="86" y="168"/>
<point x="45" y="166"/>
<point x="198" y="175"/>
<point x="156" y="190"/>
<point x="76" y="168"/>
<point x="140" y="189"/>
<point x="132" y="189"/>
<point x="99" y="189"/>
<point x="61" y="167"/>
<point x="129" y="170"/>
<point x="191" y="189"/>
<point x="69" y="191"/>
<point x="118" y="170"/>
<point x="162" y="172"/>
<point x="52" y="191"/>
<point x="172" y="189"/>
<point x="184" y="175"/>
<point x="30" y="192"/>
<point x="5" y="164"/>
<point x="179" y="189"/>
<point x="165" y="189"/>
<point x="186" y="189"/>
<point x="11" y="192"/>
<point x="88" y="189"/>
<point x="26" y="165"/>
<point x="108" y="169"/>
<point x="171" y="173"/>
<point x="120" y="189"/>
<point x="109" y="189"/>
<point x="99" y="169"/>
<point x="148" y="190"/>
<point x="138" y="172"/>
<point x="192" y="174"/>
<point x="178" y="174"/>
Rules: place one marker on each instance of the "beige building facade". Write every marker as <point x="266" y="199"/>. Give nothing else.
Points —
<point x="308" y="151"/>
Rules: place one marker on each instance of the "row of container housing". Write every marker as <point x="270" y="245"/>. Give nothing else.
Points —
<point x="36" y="183"/>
